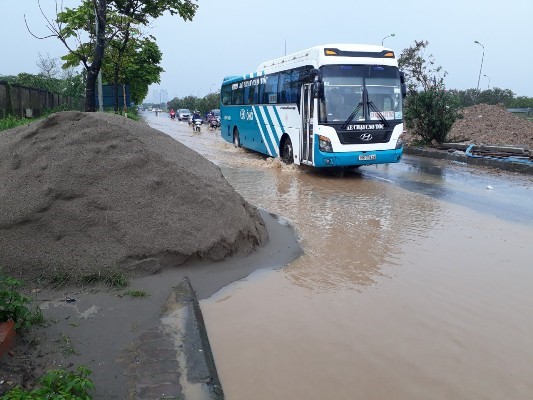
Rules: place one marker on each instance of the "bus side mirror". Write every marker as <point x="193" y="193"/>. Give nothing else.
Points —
<point x="318" y="89"/>
<point x="402" y="84"/>
<point x="311" y="76"/>
<point x="404" y="90"/>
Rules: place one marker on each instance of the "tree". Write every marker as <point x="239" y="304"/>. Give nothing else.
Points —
<point x="205" y="104"/>
<point x="420" y="70"/>
<point x="128" y="16"/>
<point x="48" y="66"/>
<point x="142" y="68"/>
<point x="430" y="112"/>
<point x="90" y="18"/>
<point x="91" y="55"/>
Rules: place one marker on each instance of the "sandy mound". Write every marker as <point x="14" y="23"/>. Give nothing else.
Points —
<point x="492" y="125"/>
<point x="89" y="193"/>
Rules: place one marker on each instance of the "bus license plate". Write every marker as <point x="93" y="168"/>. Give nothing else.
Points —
<point x="368" y="157"/>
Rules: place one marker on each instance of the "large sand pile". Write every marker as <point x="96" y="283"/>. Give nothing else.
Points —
<point x="86" y="194"/>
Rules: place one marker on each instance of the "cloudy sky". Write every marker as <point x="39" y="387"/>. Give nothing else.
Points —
<point x="233" y="37"/>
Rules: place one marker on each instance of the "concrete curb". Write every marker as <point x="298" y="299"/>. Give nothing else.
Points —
<point x="462" y="157"/>
<point x="205" y="369"/>
<point x="183" y="322"/>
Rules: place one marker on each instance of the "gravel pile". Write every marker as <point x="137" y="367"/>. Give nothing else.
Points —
<point x="492" y="125"/>
<point x="85" y="194"/>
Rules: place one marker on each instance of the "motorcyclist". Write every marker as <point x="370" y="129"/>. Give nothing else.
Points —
<point x="172" y="113"/>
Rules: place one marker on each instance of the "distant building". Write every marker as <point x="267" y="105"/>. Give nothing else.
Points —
<point x="159" y="96"/>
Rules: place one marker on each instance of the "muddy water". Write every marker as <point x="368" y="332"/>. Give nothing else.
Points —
<point x="414" y="284"/>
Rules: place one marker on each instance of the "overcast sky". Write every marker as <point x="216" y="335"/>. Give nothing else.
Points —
<point x="233" y="37"/>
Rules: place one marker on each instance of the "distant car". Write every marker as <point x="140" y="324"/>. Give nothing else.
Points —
<point x="183" y="114"/>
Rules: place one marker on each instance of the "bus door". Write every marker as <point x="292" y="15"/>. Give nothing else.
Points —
<point x="306" y="139"/>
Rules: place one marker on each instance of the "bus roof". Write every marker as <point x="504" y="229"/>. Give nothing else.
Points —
<point x="332" y="54"/>
<point x="323" y="55"/>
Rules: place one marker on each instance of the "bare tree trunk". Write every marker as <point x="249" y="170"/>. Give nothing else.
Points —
<point x="94" y="68"/>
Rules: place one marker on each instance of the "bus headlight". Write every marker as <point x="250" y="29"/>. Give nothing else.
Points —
<point x="399" y="143"/>
<point x="324" y="144"/>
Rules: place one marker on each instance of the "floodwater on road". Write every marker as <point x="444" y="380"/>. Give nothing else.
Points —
<point x="415" y="282"/>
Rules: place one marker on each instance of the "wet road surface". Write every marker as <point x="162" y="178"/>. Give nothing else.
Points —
<point x="415" y="282"/>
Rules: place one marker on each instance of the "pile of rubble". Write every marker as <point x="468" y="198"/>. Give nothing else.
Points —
<point x="485" y="124"/>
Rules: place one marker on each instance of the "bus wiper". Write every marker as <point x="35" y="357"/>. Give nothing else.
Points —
<point x="352" y="115"/>
<point x="380" y="115"/>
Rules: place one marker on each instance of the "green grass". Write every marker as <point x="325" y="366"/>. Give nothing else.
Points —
<point x="12" y="122"/>
<point x="57" y="384"/>
<point x="136" y="293"/>
<point x="110" y="278"/>
<point x="67" y="346"/>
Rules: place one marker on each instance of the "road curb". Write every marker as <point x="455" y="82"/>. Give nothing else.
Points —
<point x="462" y="157"/>
<point x="201" y="366"/>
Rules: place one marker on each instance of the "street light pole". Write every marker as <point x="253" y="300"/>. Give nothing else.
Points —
<point x="481" y="67"/>
<point x="391" y="35"/>
<point x="488" y="77"/>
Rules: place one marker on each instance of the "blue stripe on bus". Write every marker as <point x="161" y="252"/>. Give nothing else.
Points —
<point x="269" y="132"/>
<point x="263" y="129"/>
<point x="272" y="128"/>
<point x="279" y="120"/>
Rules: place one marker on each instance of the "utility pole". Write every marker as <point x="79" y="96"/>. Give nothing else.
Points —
<point x="481" y="67"/>
<point x="391" y="35"/>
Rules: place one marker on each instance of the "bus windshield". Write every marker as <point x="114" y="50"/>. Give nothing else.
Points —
<point x="355" y="93"/>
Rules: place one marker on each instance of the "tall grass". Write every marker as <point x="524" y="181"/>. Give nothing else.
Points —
<point x="12" y="122"/>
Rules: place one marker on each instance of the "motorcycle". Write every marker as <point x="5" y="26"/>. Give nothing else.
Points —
<point x="214" y="123"/>
<point x="172" y="115"/>
<point x="196" y="124"/>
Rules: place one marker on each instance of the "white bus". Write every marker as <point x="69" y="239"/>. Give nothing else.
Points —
<point x="336" y="105"/>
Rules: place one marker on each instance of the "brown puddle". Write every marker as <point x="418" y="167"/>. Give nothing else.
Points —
<point x="447" y="317"/>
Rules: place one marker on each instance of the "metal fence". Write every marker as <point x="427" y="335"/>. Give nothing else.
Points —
<point x="29" y="102"/>
<point x="522" y="112"/>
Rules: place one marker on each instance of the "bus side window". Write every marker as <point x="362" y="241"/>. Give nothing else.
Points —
<point x="237" y="96"/>
<point x="226" y="95"/>
<point x="250" y="95"/>
<point x="270" y="93"/>
<point x="284" y="95"/>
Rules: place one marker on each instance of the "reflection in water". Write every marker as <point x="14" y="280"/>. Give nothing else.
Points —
<point x="348" y="227"/>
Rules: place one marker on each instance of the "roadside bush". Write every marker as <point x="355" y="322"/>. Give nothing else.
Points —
<point x="16" y="307"/>
<point x="430" y="114"/>
<point x="12" y="122"/>
<point x="58" y="384"/>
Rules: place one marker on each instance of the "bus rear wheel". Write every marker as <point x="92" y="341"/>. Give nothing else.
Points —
<point x="236" y="139"/>
<point x="287" y="156"/>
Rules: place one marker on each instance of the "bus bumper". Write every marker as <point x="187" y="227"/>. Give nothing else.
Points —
<point x="357" y="158"/>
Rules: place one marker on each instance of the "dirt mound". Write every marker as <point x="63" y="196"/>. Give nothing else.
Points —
<point x="492" y="125"/>
<point x="84" y="194"/>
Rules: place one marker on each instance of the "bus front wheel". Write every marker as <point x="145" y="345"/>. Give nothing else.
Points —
<point x="287" y="155"/>
<point x="236" y="139"/>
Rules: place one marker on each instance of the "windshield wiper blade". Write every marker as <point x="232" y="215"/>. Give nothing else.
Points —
<point x="352" y="115"/>
<point x="380" y="115"/>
